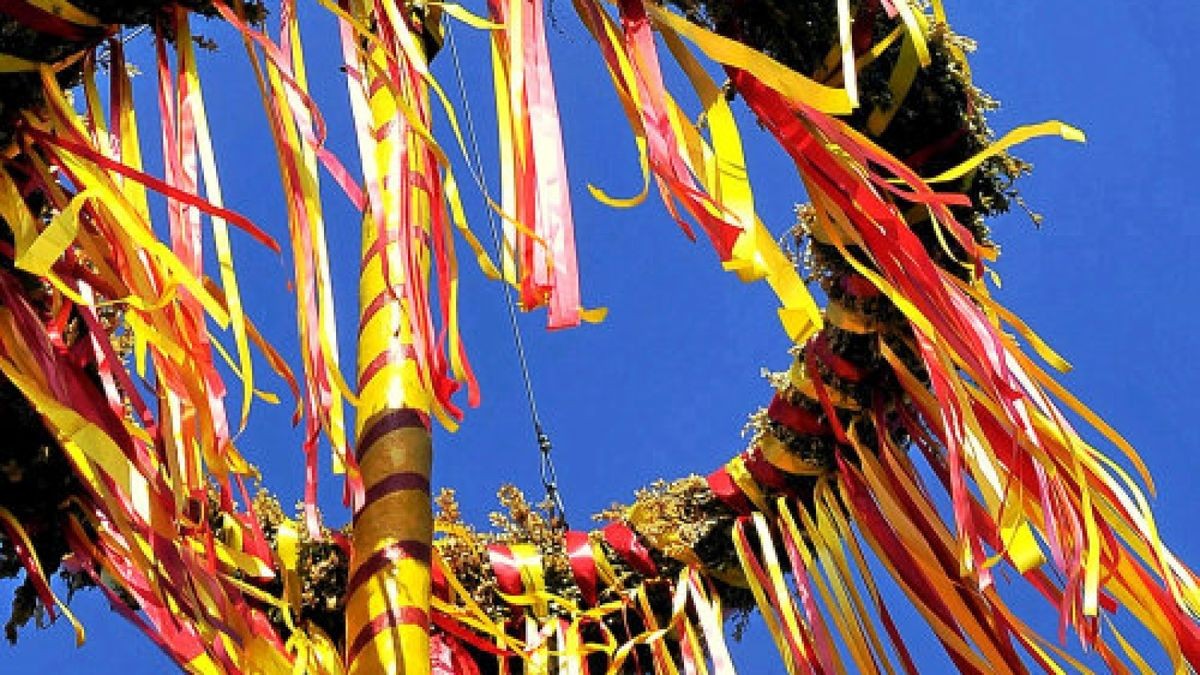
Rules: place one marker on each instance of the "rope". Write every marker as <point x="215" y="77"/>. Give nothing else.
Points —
<point x="547" y="472"/>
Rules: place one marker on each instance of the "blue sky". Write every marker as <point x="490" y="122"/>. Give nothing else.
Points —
<point x="663" y="387"/>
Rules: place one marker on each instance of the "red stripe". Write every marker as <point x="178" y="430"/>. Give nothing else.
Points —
<point x="382" y="241"/>
<point x="372" y="309"/>
<point x="391" y="355"/>
<point x="392" y="618"/>
<point x="397" y="482"/>
<point x="392" y="420"/>
<point x="385" y="556"/>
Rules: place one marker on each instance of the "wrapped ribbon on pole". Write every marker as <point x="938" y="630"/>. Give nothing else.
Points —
<point x="387" y="597"/>
<point x="388" y="590"/>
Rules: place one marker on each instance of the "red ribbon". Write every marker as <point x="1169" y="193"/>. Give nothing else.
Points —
<point x="728" y="492"/>
<point x="59" y="144"/>
<point x="449" y="657"/>
<point x="840" y="366"/>
<point x="795" y="418"/>
<point x="504" y="566"/>
<point x="870" y="518"/>
<point x="764" y="472"/>
<point x="810" y="363"/>
<point x="859" y="286"/>
<point x="625" y="542"/>
<point x="583" y="564"/>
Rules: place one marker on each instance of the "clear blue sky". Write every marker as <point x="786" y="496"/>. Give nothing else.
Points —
<point x="663" y="387"/>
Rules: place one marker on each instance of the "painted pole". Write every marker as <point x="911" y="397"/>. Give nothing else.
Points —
<point x="388" y="592"/>
<point x="387" y="595"/>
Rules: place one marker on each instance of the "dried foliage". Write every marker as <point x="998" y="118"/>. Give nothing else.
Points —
<point x="322" y="568"/>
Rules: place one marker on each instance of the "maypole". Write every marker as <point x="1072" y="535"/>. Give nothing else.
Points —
<point x="387" y="598"/>
<point x="389" y="585"/>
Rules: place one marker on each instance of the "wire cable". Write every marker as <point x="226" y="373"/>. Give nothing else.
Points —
<point x="547" y="471"/>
